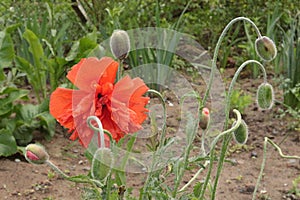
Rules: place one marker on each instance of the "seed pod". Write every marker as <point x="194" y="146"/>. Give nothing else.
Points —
<point x="102" y="163"/>
<point x="240" y="135"/>
<point x="36" y="154"/>
<point x="265" y="48"/>
<point x="204" y="119"/>
<point x="265" y="96"/>
<point x="120" y="44"/>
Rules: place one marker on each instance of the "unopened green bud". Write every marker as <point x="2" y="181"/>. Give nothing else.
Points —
<point x="265" y="96"/>
<point x="102" y="163"/>
<point x="265" y="48"/>
<point x="36" y="154"/>
<point x="240" y="135"/>
<point x="120" y="44"/>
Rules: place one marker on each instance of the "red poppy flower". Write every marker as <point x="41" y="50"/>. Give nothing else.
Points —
<point x="120" y="106"/>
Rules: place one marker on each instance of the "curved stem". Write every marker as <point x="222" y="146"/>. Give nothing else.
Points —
<point x="264" y="162"/>
<point x="164" y="128"/>
<point x="227" y="108"/>
<point x="236" y="125"/>
<point x="195" y="176"/>
<point x="161" y="139"/>
<point x="237" y="73"/>
<point x="98" y="129"/>
<point x="57" y="170"/>
<point x="216" y="52"/>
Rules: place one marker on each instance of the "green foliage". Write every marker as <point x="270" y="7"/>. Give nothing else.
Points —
<point x="240" y="100"/>
<point x="296" y="190"/>
<point x="19" y="120"/>
<point x="290" y="59"/>
<point x="8" y="144"/>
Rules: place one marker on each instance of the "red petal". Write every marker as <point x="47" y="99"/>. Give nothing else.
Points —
<point x="90" y="71"/>
<point x="61" y="107"/>
<point x="128" y="105"/>
<point x="110" y="125"/>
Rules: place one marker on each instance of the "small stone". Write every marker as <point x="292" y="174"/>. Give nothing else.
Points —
<point x="80" y="162"/>
<point x="86" y="169"/>
<point x="75" y="150"/>
<point x="171" y="104"/>
<point x="17" y="160"/>
<point x="274" y="132"/>
<point x="253" y="154"/>
<point x="263" y="191"/>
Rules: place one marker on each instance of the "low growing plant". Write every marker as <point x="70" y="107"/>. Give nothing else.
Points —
<point x="109" y="105"/>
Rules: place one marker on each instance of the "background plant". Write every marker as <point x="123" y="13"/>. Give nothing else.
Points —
<point x="53" y="27"/>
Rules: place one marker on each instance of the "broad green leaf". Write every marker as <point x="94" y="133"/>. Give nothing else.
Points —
<point x="48" y="123"/>
<point x="23" y="134"/>
<point x="73" y="52"/>
<point x="24" y="65"/>
<point x="35" y="47"/>
<point x="11" y="94"/>
<point x="5" y="109"/>
<point x="83" y="47"/>
<point x="7" y="51"/>
<point x="27" y="112"/>
<point x="8" y="144"/>
<point x="98" y="52"/>
<point x="2" y="75"/>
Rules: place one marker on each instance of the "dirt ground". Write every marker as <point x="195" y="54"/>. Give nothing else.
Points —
<point x="21" y="180"/>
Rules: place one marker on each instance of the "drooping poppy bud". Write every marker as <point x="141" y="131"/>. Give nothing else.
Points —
<point x="265" y="96"/>
<point x="102" y="163"/>
<point x="36" y="154"/>
<point x="265" y="48"/>
<point x="204" y="119"/>
<point x="120" y="44"/>
<point x="240" y="135"/>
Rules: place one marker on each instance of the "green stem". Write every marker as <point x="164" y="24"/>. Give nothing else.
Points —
<point x="195" y="176"/>
<point x="236" y="75"/>
<point x="92" y="182"/>
<point x="216" y="52"/>
<point x="119" y="73"/>
<point x="56" y="169"/>
<point x="264" y="162"/>
<point x="222" y="156"/>
<point x="236" y="125"/>
<point x="98" y="130"/>
<point x="211" y="161"/>
<point x="227" y="108"/>
<point x="161" y="143"/>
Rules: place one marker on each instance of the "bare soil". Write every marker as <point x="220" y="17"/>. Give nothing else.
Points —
<point x="21" y="180"/>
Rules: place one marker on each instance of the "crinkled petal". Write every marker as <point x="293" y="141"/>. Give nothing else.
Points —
<point x="110" y="125"/>
<point x="128" y="105"/>
<point x="61" y="107"/>
<point x="91" y="71"/>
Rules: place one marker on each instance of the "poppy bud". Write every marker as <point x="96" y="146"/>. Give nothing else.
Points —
<point x="240" y="135"/>
<point x="265" y="96"/>
<point x="120" y="44"/>
<point x="265" y="48"/>
<point x="36" y="154"/>
<point x="204" y="119"/>
<point x="102" y="163"/>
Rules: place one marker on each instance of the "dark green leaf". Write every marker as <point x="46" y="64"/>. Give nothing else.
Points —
<point x="35" y="47"/>
<point x="48" y="124"/>
<point x="27" y="112"/>
<point x="7" y="51"/>
<point x="11" y="94"/>
<point x="8" y="144"/>
<point x="23" y="134"/>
